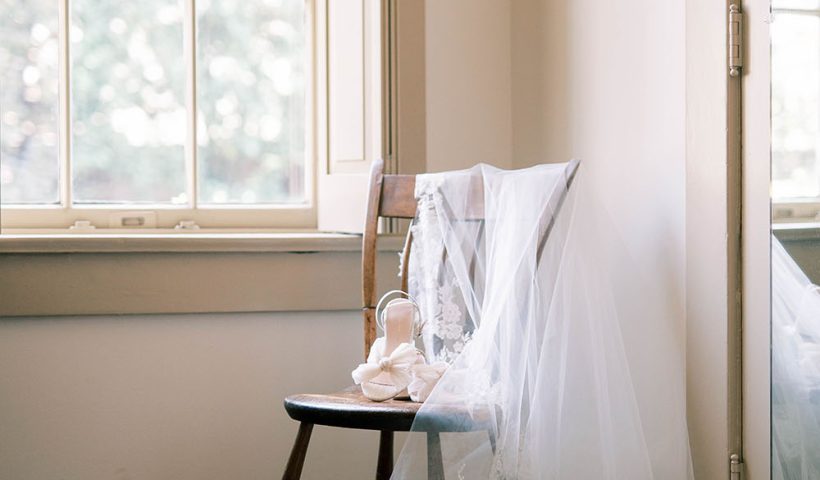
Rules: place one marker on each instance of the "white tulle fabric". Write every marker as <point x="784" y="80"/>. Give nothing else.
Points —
<point x="569" y="362"/>
<point x="795" y="370"/>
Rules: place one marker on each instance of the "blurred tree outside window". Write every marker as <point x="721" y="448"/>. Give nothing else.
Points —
<point x="130" y="123"/>
<point x="29" y="131"/>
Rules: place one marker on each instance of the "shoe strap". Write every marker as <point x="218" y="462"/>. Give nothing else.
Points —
<point x="380" y="315"/>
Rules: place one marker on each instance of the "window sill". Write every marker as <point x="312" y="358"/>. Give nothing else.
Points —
<point x="189" y="242"/>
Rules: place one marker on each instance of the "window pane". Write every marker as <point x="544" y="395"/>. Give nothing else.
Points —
<point x="128" y="101"/>
<point x="251" y="101"/>
<point x="795" y="103"/>
<point x="796" y="4"/>
<point x="29" y="72"/>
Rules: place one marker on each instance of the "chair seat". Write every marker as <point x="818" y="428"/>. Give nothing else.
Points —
<point x="349" y="408"/>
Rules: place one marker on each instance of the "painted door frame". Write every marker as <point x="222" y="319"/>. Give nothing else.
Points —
<point x="756" y="148"/>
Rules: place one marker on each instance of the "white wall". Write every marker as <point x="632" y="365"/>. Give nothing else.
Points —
<point x="637" y="90"/>
<point x="613" y="87"/>
<point x="614" y="96"/>
<point x="173" y="397"/>
<point x="627" y="121"/>
<point x="468" y="83"/>
<point x="541" y="81"/>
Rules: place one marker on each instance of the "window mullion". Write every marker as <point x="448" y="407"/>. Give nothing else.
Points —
<point x="64" y="130"/>
<point x="189" y="47"/>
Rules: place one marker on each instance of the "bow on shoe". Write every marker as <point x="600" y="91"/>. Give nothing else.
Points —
<point x="395" y="366"/>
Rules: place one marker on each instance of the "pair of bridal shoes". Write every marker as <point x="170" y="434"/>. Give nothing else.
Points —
<point x="394" y="363"/>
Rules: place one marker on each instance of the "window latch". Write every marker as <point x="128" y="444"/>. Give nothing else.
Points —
<point x="186" y="225"/>
<point x="82" y="225"/>
<point x="146" y="219"/>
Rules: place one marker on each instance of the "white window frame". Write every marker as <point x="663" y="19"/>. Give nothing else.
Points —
<point x="107" y="217"/>
<point x="796" y="210"/>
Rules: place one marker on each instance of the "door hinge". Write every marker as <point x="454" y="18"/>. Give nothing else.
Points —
<point x="735" y="467"/>
<point x="735" y="40"/>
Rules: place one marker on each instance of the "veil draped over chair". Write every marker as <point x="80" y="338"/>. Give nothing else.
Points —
<point x="565" y="358"/>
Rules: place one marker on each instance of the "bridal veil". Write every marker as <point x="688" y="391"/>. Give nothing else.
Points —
<point x="565" y="361"/>
<point x="795" y="370"/>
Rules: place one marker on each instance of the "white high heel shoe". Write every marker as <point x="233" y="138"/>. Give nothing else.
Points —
<point x="388" y="369"/>
<point x="423" y="379"/>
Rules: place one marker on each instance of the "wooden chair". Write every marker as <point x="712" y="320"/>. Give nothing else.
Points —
<point x="390" y="196"/>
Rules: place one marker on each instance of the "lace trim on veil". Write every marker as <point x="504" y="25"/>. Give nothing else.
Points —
<point x="448" y="326"/>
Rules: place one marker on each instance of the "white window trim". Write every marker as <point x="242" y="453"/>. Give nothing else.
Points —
<point x="25" y="218"/>
<point x="343" y="167"/>
<point x="796" y="210"/>
<point x="15" y="219"/>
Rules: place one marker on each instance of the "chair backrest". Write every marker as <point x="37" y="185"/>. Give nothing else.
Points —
<point x="393" y="196"/>
<point x="389" y="196"/>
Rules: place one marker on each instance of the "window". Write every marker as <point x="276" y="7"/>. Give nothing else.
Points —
<point x="146" y="114"/>
<point x="795" y="70"/>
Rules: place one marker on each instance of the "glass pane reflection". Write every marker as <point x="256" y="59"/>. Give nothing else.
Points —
<point x="128" y="101"/>
<point x="29" y="74"/>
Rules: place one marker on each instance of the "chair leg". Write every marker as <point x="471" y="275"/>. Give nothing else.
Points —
<point x="297" y="456"/>
<point x="384" y="468"/>
<point x="435" y="465"/>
